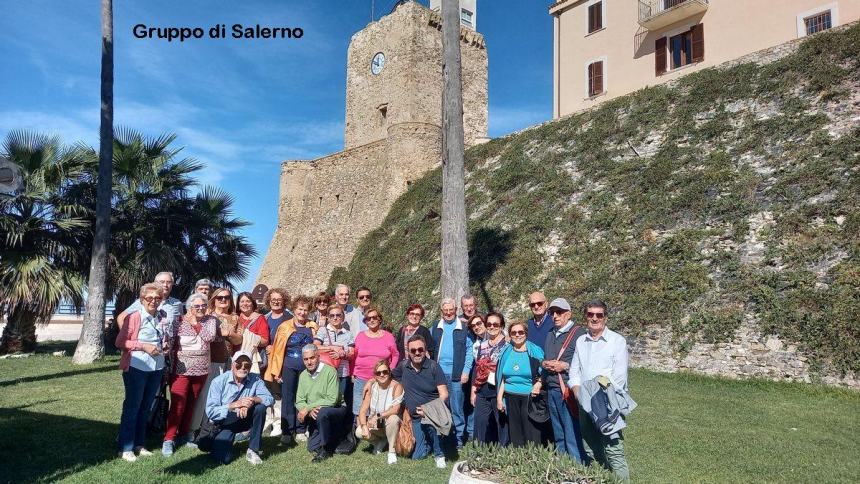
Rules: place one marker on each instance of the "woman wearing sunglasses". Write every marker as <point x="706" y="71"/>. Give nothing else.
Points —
<point x="144" y="340"/>
<point x="371" y="345"/>
<point x="378" y="419"/>
<point x="191" y="337"/>
<point x="518" y="376"/>
<point x="491" y="425"/>
<point x="335" y="344"/>
<point x="413" y="326"/>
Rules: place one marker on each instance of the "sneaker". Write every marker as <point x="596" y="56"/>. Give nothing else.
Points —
<point x="303" y="437"/>
<point x="320" y="456"/>
<point x="129" y="456"/>
<point x="440" y="462"/>
<point x="276" y="431"/>
<point x="189" y="440"/>
<point x="392" y="458"/>
<point x="142" y="452"/>
<point x="167" y="448"/>
<point x="253" y="458"/>
<point x="242" y="437"/>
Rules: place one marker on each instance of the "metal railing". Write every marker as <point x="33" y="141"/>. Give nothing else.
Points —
<point x="652" y="8"/>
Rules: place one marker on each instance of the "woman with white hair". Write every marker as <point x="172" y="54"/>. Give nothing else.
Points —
<point x="191" y="367"/>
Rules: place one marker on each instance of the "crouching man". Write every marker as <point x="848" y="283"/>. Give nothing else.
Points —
<point x="237" y="402"/>
<point x="320" y="405"/>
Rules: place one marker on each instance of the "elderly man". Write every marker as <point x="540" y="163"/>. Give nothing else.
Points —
<point x="454" y="355"/>
<point x="423" y="384"/>
<point x="540" y="324"/>
<point x="364" y="298"/>
<point x="203" y="286"/>
<point x="319" y="404"/>
<point x="353" y="317"/>
<point x="237" y="402"/>
<point x="559" y="350"/>
<point x="468" y="308"/>
<point x="171" y="306"/>
<point x="600" y="352"/>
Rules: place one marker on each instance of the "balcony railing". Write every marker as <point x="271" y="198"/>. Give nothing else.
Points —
<point x="655" y="14"/>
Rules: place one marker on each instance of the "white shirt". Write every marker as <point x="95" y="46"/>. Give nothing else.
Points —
<point x="606" y="355"/>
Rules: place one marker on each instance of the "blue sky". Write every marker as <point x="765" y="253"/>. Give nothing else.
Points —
<point x="240" y="106"/>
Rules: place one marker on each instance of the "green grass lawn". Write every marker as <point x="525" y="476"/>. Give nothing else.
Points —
<point x="59" y="421"/>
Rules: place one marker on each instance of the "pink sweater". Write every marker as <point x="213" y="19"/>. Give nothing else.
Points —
<point x="370" y="350"/>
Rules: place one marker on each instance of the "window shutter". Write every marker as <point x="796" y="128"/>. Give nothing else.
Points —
<point x="591" y="79"/>
<point x="591" y="18"/>
<point x="598" y="77"/>
<point x="698" y="35"/>
<point x="598" y="15"/>
<point x="660" y="56"/>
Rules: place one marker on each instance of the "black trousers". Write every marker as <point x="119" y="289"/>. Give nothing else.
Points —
<point x="290" y="385"/>
<point x="326" y="430"/>
<point x="491" y="425"/>
<point x="222" y="448"/>
<point x="520" y="427"/>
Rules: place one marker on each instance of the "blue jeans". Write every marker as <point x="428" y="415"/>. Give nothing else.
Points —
<point x="426" y="438"/>
<point x="140" y="390"/>
<point x="565" y="428"/>
<point x="289" y="387"/>
<point x="222" y="447"/>
<point x="455" y="403"/>
<point x="357" y="392"/>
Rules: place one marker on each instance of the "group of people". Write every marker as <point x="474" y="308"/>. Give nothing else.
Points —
<point x="327" y="372"/>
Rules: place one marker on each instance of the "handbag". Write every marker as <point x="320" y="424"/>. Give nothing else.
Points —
<point x="537" y="408"/>
<point x="206" y="436"/>
<point x="159" y="410"/>
<point x="405" y="443"/>
<point x="326" y="358"/>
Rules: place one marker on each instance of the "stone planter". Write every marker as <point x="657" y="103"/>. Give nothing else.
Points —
<point x="460" y="477"/>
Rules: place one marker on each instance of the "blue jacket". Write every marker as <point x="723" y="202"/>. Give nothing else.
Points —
<point x="533" y="350"/>
<point x="463" y="356"/>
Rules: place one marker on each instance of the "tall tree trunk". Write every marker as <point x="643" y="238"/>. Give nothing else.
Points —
<point x="455" y="257"/>
<point x="91" y="343"/>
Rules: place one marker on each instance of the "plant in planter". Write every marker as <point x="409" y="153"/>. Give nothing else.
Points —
<point x="531" y="464"/>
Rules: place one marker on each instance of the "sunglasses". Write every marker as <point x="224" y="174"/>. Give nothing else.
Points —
<point x="517" y="333"/>
<point x="373" y="318"/>
<point x="493" y="325"/>
<point x="151" y="299"/>
<point x="417" y="351"/>
<point x="589" y="314"/>
<point x="476" y="324"/>
<point x="245" y="365"/>
<point x="381" y="373"/>
<point x="335" y="315"/>
<point x="537" y="304"/>
<point x="364" y="298"/>
<point x="222" y="298"/>
<point x="557" y="311"/>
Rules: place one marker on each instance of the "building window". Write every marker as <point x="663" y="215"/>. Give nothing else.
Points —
<point x="466" y="17"/>
<point x="683" y="49"/>
<point x="595" y="78"/>
<point x="818" y="22"/>
<point x="595" y="17"/>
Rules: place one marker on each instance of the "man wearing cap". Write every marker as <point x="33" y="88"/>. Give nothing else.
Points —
<point x="540" y="324"/>
<point x="320" y="404"/>
<point x="237" y="402"/>
<point x="559" y="348"/>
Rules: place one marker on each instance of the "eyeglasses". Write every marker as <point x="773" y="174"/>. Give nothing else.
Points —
<point x="273" y="301"/>
<point x="199" y="306"/>
<point x="417" y="351"/>
<point x="335" y="315"/>
<point x="517" y="333"/>
<point x="558" y="311"/>
<point x="365" y="297"/>
<point x="493" y="325"/>
<point x="381" y="372"/>
<point x="222" y="298"/>
<point x="414" y="313"/>
<point x="245" y="365"/>
<point x="373" y="318"/>
<point x="152" y="299"/>
<point x="537" y="304"/>
<point x="590" y="315"/>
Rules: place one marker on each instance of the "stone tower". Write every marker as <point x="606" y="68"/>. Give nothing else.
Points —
<point x="393" y="135"/>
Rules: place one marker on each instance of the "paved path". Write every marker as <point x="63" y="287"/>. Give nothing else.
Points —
<point x="64" y="330"/>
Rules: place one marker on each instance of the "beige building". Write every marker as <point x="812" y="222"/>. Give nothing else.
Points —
<point x="393" y="136"/>
<point x="603" y="49"/>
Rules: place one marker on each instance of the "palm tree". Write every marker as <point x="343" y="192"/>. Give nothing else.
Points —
<point x="39" y="259"/>
<point x="91" y="343"/>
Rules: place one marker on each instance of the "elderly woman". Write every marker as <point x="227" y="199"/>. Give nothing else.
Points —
<point x="191" y="337"/>
<point x="371" y="345"/>
<point x="228" y="333"/>
<point x="414" y="315"/>
<point x="336" y="344"/>
<point x="285" y="365"/>
<point x="378" y="417"/>
<point x="276" y="300"/>
<point x="252" y="322"/>
<point x="143" y="340"/>
<point x="518" y="376"/>
<point x="491" y="425"/>
<point x="321" y="304"/>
